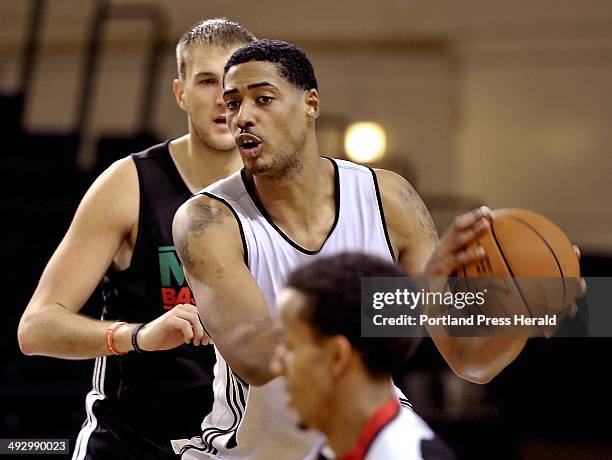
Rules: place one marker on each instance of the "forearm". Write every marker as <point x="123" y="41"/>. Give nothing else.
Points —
<point x="479" y="359"/>
<point x="55" y="331"/>
<point x="422" y="254"/>
<point x="476" y="359"/>
<point x="249" y="352"/>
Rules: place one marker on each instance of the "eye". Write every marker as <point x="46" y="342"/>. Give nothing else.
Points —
<point x="264" y="99"/>
<point x="208" y="81"/>
<point x="232" y="105"/>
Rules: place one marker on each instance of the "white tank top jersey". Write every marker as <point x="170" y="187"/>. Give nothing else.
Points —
<point x="253" y="422"/>
<point x="400" y="438"/>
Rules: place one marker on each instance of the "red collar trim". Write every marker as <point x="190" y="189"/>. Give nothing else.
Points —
<point x="370" y="430"/>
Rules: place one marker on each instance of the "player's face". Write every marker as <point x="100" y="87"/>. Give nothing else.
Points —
<point x="201" y="96"/>
<point x="305" y="362"/>
<point x="267" y="116"/>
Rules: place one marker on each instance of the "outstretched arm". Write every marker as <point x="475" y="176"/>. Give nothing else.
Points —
<point x="104" y="223"/>
<point x="231" y="305"/>
<point x="415" y="241"/>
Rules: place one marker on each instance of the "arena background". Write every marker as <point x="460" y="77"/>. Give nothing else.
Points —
<point x="503" y="103"/>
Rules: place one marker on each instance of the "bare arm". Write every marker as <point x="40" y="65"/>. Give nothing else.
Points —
<point x="234" y="310"/>
<point x="415" y="241"/>
<point x="104" y="224"/>
<point x="51" y="324"/>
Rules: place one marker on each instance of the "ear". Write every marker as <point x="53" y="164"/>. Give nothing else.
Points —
<point x="178" y="88"/>
<point x="340" y="353"/>
<point x="312" y="104"/>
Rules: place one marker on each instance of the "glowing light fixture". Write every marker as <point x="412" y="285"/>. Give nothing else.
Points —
<point x="365" y="142"/>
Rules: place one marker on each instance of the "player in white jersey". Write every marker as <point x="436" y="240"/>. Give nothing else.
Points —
<point x="240" y="415"/>
<point x="339" y="381"/>
<point x="239" y="239"/>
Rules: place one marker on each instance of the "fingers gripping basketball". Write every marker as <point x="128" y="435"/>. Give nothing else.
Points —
<point x="526" y="247"/>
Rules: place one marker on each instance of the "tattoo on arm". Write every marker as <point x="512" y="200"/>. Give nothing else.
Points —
<point x="199" y="217"/>
<point x="413" y="201"/>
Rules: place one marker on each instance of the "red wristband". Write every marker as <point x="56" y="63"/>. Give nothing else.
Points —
<point x="109" y="337"/>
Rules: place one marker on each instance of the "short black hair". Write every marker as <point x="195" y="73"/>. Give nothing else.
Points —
<point x="291" y="60"/>
<point x="219" y="32"/>
<point x="332" y="285"/>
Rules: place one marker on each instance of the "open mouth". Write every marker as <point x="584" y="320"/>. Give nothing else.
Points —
<point x="220" y="121"/>
<point x="249" y="144"/>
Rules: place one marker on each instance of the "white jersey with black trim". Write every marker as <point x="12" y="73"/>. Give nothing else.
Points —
<point x="401" y="438"/>
<point x="254" y="423"/>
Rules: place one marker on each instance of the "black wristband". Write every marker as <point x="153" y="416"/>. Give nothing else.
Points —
<point x="135" y="337"/>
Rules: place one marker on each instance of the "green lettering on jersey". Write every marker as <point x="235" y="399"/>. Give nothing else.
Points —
<point x="170" y="266"/>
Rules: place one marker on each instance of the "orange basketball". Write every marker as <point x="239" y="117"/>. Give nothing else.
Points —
<point x="537" y="260"/>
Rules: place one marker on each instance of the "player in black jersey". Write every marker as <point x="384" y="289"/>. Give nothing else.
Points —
<point x="158" y="386"/>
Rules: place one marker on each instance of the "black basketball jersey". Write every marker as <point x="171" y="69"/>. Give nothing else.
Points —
<point x="147" y="399"/>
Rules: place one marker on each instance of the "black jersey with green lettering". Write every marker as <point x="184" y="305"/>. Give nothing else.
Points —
<point x="139" y="402"/>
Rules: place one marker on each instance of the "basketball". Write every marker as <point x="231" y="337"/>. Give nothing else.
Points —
<point x="535" y="258"/>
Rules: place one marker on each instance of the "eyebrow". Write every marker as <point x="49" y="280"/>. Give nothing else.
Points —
<point x="204" y="73"/>
<point x="251" y="86"/>
<point x="258" y="85"/>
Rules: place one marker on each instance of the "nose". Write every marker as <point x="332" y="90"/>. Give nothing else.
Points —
<point x="245" y="116"/>
<point x="220" y="102"/>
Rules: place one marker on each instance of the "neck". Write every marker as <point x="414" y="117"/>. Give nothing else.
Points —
<point x="297" y="196"/>
<point x="352" y="413"/>
<point x="199" y="165"/>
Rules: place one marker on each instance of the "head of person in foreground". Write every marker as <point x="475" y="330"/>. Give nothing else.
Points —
<point x="329" y="367"/>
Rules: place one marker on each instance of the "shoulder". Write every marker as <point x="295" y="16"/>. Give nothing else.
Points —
<point x="400" y="199"/>
<point x="411" y="229"/>
<point x="205" y="226"/>
<point x="155" y="151"/>
<point x="114" y="195"/>
<point x="401" y="438"/>
<point x="401" y="196"/>
<point x="353" y="169"/>
<point x="119" y="178"/>
<point x="390" y="183"/>
<point x="231" y="188"/>
<point x="200" y="212"/>
<point x="349" y="165"/>
<point x="109" y="209"/>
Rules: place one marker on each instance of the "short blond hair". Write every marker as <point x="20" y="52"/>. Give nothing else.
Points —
<point x="214" y="32"/>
